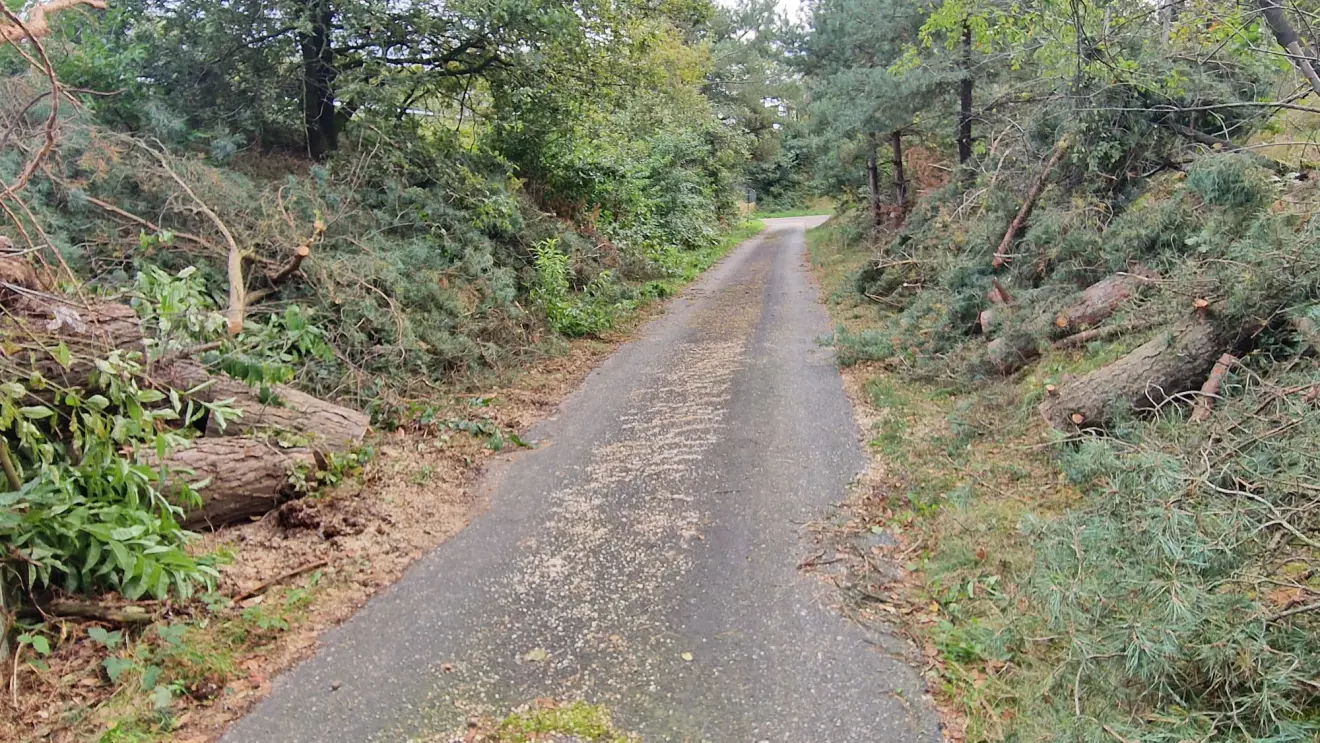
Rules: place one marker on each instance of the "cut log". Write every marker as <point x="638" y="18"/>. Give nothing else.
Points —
<point x="237" y="478"/>
<point x="332" y="428"/>
<point x="1100" y="300"/>
<point x="997" y="295"/>
<point x="1173" y="362"/>
<point x="39" y="325"/>
<point x="1205" y="404"/>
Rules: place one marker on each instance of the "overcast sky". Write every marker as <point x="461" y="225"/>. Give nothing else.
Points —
<point x="792" y="7"/>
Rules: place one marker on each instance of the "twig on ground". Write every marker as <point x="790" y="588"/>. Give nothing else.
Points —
<point x="262" y="588"/>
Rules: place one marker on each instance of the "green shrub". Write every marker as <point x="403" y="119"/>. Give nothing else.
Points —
<point x="570" y="314"/>
<point x="90" y="514"/>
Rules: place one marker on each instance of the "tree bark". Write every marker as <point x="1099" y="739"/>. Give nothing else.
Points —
<point x="1100" y="300"/>
<point x="1175" y="361"/>
<point x="318" y="60"/>
<point x="331" y="427"/>
<point x="237" y="478"/>
<point x="873" y="179"/>
<point x="89" y="332"/>
<point x="1002" y="255"/>
<point x="900" y="178"/>
<point x="965" y="99"/>
<point x="1287" y="37"/>
<point x="35" y="22"/>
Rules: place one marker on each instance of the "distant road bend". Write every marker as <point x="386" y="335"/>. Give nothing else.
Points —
<point x="647" y="558"/>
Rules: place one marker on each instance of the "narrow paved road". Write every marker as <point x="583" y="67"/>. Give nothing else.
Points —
<point x="645" y="557"/>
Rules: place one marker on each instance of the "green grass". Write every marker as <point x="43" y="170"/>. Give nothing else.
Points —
<point x="805" y="212"/>
<point x="579" y="719"/>
<point x="684" y="266"/>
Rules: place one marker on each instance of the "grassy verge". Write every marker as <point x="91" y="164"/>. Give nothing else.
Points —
<point x="690" y="264"/>
<point x="199" y="664"/>
<point x="957" y="473"/>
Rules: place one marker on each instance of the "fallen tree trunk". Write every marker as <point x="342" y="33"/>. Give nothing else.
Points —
<point x="1173" y="362"/>
<point x="38" y="325"/>
<point x="1094" y="304"/>
<point x="1102" y="299"/>
<point x="237" y="478"/>
<point x="331" y="427"/>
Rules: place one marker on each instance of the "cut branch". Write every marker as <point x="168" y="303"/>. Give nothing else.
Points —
<point x="1002" y="255"/>
<point x="267" y="585"/>
<point x="35" y="24"/>
<point x="127" y="614"/>
<point x="1100" y="334"/>
<point x="234" y="264"/>
<point x="1205" y="404"/>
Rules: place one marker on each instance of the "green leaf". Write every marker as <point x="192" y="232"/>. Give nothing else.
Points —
<point x="62" y="354"/>
<point x="36" y="412"/>
<point x="41" y="644"/>
<point x="115" y="667"/>
<point x="150" y="675"/>
<point x="125" y="533"/>
<point x="110" y="640"/>
<point x="98" y="402"/>
<point x="121" y="556"/>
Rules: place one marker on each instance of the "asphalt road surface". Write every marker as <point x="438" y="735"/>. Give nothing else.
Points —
<point x="644" y="556"/>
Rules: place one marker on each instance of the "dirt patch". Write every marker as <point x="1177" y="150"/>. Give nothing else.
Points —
<point x="296" y="572"/>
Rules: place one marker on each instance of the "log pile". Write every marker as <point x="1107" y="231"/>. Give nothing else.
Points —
<point x="1186" y="361"/>
<point x="1073" y="324"/>
<point x="241" y="471"/>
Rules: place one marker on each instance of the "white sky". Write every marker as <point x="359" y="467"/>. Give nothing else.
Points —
<point x="792" y="7"/>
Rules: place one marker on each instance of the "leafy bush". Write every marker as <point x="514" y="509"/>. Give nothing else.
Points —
<point x="87" y="513"/>
<point x="569" y="314"/>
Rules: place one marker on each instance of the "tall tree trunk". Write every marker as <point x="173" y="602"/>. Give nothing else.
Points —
<point x="873" y="179"/>
<point x="900" y="179"/>
<point x="965" y="99"/>
<point x="1167" y="13"/>
<point x="318" y="59"/>
<point x="1287" y="37"/>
